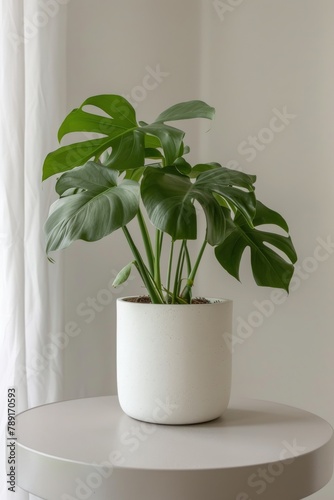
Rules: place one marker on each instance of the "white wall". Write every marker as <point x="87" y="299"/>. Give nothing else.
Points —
<point x="260" y="56"/>
<point x="247" y="61"/>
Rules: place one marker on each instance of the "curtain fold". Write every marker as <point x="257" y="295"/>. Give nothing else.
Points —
<point x="32" y="104"/>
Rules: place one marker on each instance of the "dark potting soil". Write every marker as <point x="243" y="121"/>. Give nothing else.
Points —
<point x="145" y="299"/>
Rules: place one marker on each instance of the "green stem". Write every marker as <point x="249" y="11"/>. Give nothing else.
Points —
<point x="188" y="259"/>
<point x="158" y="245"/>
<point x="197" y="263"/>
<point x="177" y="273"/>
<point x="152" y="290"/>
<point x="146" y="240"/>
<point x="169" y="270"/>
<point x="179" y="279"/>
<point x="186" y="292"/>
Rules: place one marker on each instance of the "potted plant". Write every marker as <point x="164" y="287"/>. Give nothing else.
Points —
<point x="173" y="365"/>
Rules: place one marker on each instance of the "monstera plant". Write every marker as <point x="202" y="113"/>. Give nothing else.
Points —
<point x="128" y="169"/>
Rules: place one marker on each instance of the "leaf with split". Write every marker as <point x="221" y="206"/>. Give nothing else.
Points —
<point x="268" y="266"/>
<point x="116" y="106"/>
<point x="73" y="155"/>
<point x="169" y="200"/>
<point x="232" y="186"/>
<point x="81" y="121"/>
<point x="122" y="122"/>
<point x="89" y="215"/>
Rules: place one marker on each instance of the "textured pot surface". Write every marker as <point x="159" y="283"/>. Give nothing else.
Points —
<point x="173" y="364"/>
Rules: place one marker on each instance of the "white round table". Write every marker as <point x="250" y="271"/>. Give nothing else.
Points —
<point x="89" y="449"/>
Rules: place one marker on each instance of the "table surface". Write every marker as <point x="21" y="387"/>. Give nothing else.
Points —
<point x="88" y="448"/>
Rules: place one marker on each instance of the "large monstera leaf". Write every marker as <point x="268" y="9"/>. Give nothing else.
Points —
<point x="91" y="206"/>
<point x="120" y="122"/>
<point x="129" y="141"/>
<point x="169" y="200"/>
<point x="269" y="266"/>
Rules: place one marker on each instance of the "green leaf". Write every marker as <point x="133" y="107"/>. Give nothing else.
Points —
<point x="169" y="200"/>
<point x="227" y="183"/>
<point x="123" y="275"/>
<point x="170" y="138"/>
<point x="135" y="174"/>
<point x="80" y="121"/>
<point x="186" y="111"/>
<point x="68" y="157"/>
<point x="115" y="106"/>
<point x="92" y="177"/>
<point x="90" y="215"/>
<point x="182" y="166"/>
<point x="265" y="215"/>
<point x="168" y="204"/>
<point x="127" y="152"/>
<point x="71" y="191"/>
<point x="121" y="123"/>
<point x="202" y="167"/>
<point x="268" y="266"/>
<point x="151" y="142"/>
<point x="153" y="154"/>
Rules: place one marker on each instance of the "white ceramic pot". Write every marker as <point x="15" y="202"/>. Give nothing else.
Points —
<point x="173" y="363"/>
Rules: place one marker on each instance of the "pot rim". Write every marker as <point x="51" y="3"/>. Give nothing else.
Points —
<point x="212" y="301"/>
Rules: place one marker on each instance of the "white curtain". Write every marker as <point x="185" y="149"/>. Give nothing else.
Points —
<point x="32" y="103"/>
